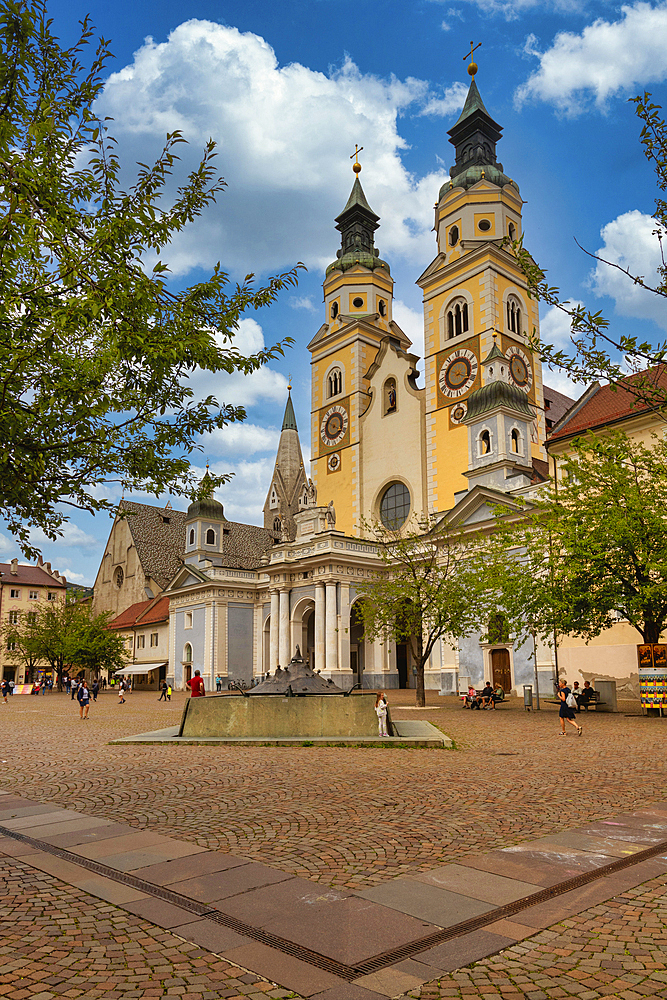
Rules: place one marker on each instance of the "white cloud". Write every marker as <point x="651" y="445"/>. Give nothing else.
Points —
<point x="555" y="326"/>
<point x="629" y="242"/>
<point x="561" y="383"/>
<point x="7" y="545"/>
<point x="302" y="302"/>
<point x="72" y="537"/>
<point x="73" y="577"/>
<point x="512" y="9"/>
<point x="276" y="127"/>
<point x="452" y="100"/>
<point x="606" y="59"/>
<point x="241" y="439"/>
<point x="236" y="388"/>
<point x="412" y="323"/>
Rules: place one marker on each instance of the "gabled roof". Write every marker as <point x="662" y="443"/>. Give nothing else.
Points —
<point x="159" y="538"/>
<point x="142" y="613"/>
<point x="29" y="576"/>
<point x="477" y="506"/>
<point x="603" y="405"/>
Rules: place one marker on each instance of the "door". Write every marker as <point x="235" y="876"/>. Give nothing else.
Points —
<point x="402" y="664"/>
<point x="500" y="666"/>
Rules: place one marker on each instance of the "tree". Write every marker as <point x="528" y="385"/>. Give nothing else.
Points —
<point x="598" y="353"/>
<point x="95" y="346"/>
<point x="425" y="591"/>
<point x="94" y="648"/>
<point x="594" y="546"/>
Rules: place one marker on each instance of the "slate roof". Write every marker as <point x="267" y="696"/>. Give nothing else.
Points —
<point x="29" y="576"/>
<point x="161" y="546"/>
<point x="558" y="406"/>
<point x="143" y="613"/>
<point x="602" y="405"/>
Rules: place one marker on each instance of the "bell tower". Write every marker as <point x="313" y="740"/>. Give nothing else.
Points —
<point x="475" y="296"/>
<point x="358" y="296"/>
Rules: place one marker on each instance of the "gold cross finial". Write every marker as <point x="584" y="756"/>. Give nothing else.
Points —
<point x="356" y="166"/>
<point x="472" y="67"/>
<point x="289" y="384"/>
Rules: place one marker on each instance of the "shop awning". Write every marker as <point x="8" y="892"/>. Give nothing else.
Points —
<point x="140" y="668"/>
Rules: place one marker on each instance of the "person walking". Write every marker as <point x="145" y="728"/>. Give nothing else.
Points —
<point x="121" y="693"/>
<point x="163" y="689"/>
<point x="83" y="697"/>
<point x="381" y="712"/>
<point x="4" y="690"/>
<point x="75" y="687"/>
<point x="568" y="707"/>
<point x="95" y="689"/>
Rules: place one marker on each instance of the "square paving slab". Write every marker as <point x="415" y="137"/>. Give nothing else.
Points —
<point x="477" y="884"/>
<point x="30" y="821"/>
<point x="289" y="972"/>
<point x="428" y="902"/>
<point x="521" y="867"/>
<point x="160" y="912"/>
<point x="88" y="836"/>
<point x="390" y="982"/>
<point x="596" y="845"/>
<point x="73" y="825"/>
<point x="207" y="934"/>
<point x="221" y="885"/>
<point x="130" y="842"/>
<point x="634" y="834"/>
<point x="193" y="866"/>
<point x="269" y="903"/>
<point x="572" y="861"/>
<point x="348" y="991"/>
<point x="143" y="857"/>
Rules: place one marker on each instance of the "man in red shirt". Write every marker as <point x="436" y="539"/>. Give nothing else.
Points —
<point x="196" y="685"/>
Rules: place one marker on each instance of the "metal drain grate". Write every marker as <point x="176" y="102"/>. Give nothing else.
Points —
<point x="304" y="954"/>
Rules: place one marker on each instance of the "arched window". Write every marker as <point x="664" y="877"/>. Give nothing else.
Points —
<point x="516" y="441"/>
<point x="485" y="443"/>
<point x="210" y="537"/>
<point x="395" y="506"/>
<point x="382" y="307"/>
<point x="187" y="653"/>
<point x="513" y="315"/>
<point x="192" y="536"/>
<point x="511" y="231"/>
<point x="277" y="524"/>
<point x="453" y="236"/>
<point x="457" y="318"/>
<point x="334" y="310"/>
<point x="390" y="396"/>
<point x="334" y="382"/>
<point x="118" y="577"/>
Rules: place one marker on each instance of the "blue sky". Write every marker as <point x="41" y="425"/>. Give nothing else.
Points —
<point x="288" y="89"/>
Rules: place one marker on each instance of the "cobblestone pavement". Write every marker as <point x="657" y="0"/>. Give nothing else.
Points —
<point x="340" y="816"/>
<point x="56" y="941"/>
<point x="617" y="949"/>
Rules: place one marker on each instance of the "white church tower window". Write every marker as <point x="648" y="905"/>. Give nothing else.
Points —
<point x="513" y="315"/>
<point x="457" y="318"/>
<point x="334" y="382"/>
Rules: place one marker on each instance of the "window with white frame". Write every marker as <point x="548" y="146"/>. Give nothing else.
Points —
<point x="187" y="653"/>
<point x="50" y="596"/>
<point x="33" y="595"/>
<point x="334" y="382"/>
<point x="31" y="618"/>
<point x="515" y="441"/>
<point x="13" y="617"/>
<point x="210" y="537"/>
<point x="141" y="642"/>
<point x="514" y="320"/>
<point x="484" y="443"/>
<point x="192" y="536"/>
<point x="457" y="318"/>
<point x="16" y="594"/>
<point x="154" y="638"/>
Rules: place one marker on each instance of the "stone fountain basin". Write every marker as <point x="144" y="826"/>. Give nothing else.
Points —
<point x="276" y="716"/>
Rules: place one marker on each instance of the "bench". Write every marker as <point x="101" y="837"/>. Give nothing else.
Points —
<point x="467" y="699"/>
<point x="595" y="700"/>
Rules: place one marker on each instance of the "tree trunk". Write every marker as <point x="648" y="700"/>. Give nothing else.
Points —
<point x="420" y="699"/>
<point x="651" y="632"/>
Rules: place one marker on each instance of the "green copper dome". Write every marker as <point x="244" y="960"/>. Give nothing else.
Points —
<point x="208" y="509"/>
<point x="472" y="174"/>
<point x="494" y="394"/>
<point x="348" y="260"/>
<point x="357" y="224"/>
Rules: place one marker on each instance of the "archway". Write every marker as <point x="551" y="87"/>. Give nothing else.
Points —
<point x="357" y="642"/>
<point x="302" y="630"/>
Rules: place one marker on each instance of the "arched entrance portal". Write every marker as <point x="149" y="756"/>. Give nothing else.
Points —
<point x="303" y="630"/>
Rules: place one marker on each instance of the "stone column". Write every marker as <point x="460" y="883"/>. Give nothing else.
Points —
<point x="283" y="649"/>
<point x="320" y="661"/>
<point x="331" y="623"/>
<point x="344" y="631"/>
<point x="274" y="632"/>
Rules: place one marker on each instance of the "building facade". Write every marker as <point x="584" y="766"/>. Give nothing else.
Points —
<point x="23" y="591"/>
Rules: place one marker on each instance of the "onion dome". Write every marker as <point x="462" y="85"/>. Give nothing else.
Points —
<point x="207" y="508"/>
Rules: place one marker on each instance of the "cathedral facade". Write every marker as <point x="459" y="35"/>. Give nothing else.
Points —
<point x="383" y="449"/>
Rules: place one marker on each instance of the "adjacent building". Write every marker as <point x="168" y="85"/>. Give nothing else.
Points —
<point x="24" y="589"/>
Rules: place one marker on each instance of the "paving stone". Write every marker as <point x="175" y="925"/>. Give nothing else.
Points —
<point x="477" y="884"/>
<point x="223" y="884"/>
<point x="190" y="867"/>
<point x="210" y="935"/>
<point x="428" y="902"/>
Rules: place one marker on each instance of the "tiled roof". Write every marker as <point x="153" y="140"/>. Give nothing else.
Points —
<point x="607" y="404"/>
<point x="159" y="538"/>
<point x="28" y="576"/>
<point x="142" y="613"/>
<point x="558" y="405"/>
<point x="540" y="471"/>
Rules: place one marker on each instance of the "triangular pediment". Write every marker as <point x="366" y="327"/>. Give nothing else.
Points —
<point x="436" y="264"/>
<point x="187" y="576"/>
<point x="479" y="507"/>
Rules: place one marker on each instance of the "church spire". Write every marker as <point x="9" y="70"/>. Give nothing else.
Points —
<point x="289" y="420"/>
<point x="287" y="490"/>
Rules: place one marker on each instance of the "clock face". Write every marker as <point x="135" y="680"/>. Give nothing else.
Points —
<point x="458" y="412"/>
<point x="333" y="462"/>
<point x="520" y="368"/>
<point x="334" y="425"/>
<point x="458" y="373"/>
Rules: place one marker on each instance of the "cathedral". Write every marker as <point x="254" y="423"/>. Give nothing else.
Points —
<point x="383" y="449"/>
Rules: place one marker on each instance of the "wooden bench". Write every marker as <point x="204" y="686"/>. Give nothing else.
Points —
<point x="497" y="699"/>
<point x="595" y="700"/>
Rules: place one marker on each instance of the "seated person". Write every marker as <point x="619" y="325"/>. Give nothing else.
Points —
<point x="486" y="697"/>
<point x="576" y="691"/>
<point x="499" y="694"/>
<point x="586" y="696"/>
<point x="472" y="701"/>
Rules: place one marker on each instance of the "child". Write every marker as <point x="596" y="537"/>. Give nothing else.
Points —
<point x="381" y="712"/>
